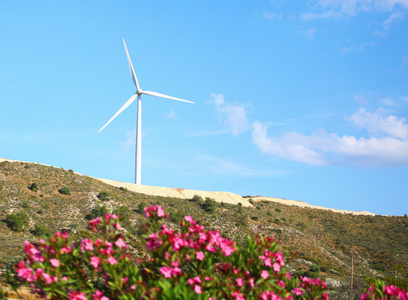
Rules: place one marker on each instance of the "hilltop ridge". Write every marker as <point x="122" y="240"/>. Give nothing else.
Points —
<point x="225" y="197"/>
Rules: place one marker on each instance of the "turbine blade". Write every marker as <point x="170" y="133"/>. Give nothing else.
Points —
<point x="131" y="99"/>
<point x="132" y="71"/>
<point x="165" y="96"/>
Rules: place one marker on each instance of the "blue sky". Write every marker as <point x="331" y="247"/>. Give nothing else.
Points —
<point x="303" y="100"/>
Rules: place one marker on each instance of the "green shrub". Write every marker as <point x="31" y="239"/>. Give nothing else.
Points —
<point x="196" y="198"/>
<point x="251" y="201"/>
<point x="255" y="218"/>
<point x="17" y="221"/>
<point x="268" y="213"/>
<point x="34" y="187"/>
<point x="239" y="204"/>
<point x="65" y="190"/>
<point x="104" y="196"/>
<point x="141" y="207"/>
<point x="71" y="171"/>
<point x="315" y="268"/>
<point x="123" y="189"/>
<point x="209" y="205"/>
<point x="26" y="204"/>
<point x="98" y="211"/>
<point x="277" y="210"/>
<point x="40" y="230"/>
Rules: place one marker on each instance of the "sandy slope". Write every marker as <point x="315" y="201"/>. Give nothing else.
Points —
<point x="304" y="204"/>
<point x="225" y="197"/>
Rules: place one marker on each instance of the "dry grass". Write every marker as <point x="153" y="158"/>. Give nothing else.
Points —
<point x="22" y="293"/>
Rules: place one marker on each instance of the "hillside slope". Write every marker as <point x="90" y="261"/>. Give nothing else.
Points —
<point x="307" y="236"/>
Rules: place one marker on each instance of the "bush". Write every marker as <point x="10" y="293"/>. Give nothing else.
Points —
<point x="40" y="230"/>
<point x="141" y="207"/>
<point x="26" y="204"/>
<point x="98" y="211"/>
<point x="17" y="221"/>
<point x="255" y="218"/>
<point x="277" y="210"/>
<point x="315" y="268"/>
<point x="193" y="263"/>
<point x="251" y="201"/>
<point x="34" y="187"/>
<point x="196" y="198"/>
<point x="209" y="205"/>
<point x="65" y="190"/>
<point x="104" y="196"/>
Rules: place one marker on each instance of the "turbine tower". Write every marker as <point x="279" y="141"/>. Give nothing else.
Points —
<point x="138" y="94"/>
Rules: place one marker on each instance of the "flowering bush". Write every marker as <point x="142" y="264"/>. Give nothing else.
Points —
<point x="379" y="290"/>
<point x="192" y="263"/>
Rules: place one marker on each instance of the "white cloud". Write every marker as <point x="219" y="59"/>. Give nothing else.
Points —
<point x="354" y="6"/>
<point x="272" y="16"/>
<point x="321" y="148"/>
<point x="130" y="140"/>
<point x="204" y="133"/>
<point x="227" y="167"/>
<point x="171" y="114"/>
<point x="340" y="8"/>
<point x="310" y="33"/>
<point x="325" y="15"/>
<point x="377" y="123"/>
<point x="395" y="16"/>
<point x="232" y="115"/>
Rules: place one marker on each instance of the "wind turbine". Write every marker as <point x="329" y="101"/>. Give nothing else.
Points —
<point x="138" y="94"/>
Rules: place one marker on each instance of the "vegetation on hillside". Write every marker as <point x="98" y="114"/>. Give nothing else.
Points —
<point x="315" y="242"/>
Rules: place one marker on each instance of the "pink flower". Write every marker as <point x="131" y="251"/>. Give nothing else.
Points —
<point x="120" y="243"/>
<point x="133" y="287"/>
<point x="65" y="278"/>
<point x="297" y="291"/>
<point x="76" y="295"/>
<point x="200" y="255"/>
<point x="280" y="258"/>
<point x="239" y="281"/>
<point x="276" y="267"/>
<point x="99" y="296"/>
<point x="86" y="244"/>
<point x="264" y="274"/>
<point x="197" y="289"/>
<point x="117" y="226"/>
<point x="174" y="263"/>
<point x="166" y="271"/>
<point x="112" y="260"/>
<point x="238" y="296"/>
<point x="54" y="262"/>
<point x="160" y="211"/>
<point x="95" y="261"/>
<point x="47" y="278"/>
<point x="189" y="219"/>
<point x="65" y="250"/>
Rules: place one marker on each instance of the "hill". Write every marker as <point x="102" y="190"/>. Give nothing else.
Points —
<point x="316" y="242"/>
